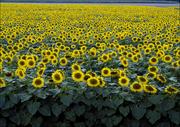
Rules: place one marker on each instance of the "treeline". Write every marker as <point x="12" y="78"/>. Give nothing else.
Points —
<point x="93" y="1"/>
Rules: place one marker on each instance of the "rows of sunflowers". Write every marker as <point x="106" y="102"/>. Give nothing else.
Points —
<point x="134" y="49"/>
<point x="91" y="44"/>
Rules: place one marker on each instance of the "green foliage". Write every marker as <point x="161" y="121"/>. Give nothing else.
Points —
<point x="89" y="108"/>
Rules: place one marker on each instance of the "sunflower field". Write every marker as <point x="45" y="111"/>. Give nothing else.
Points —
<point x="83" y="65"/>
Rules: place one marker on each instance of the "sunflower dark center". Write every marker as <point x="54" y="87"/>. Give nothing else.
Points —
<point x="57" y="77"/>
<point x="123" y="80"/>
<point x="38" y="82"/>
<point x="149" y="88"/>
<point x="136" y="86"/>
<point x="93" y="81"/>
<point x="78" y="75"/>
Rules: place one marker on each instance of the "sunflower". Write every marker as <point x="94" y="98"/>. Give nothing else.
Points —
<point x="124" y="62"/>
<point x="77" y="76"/>
<point x="105" y="57"/>
<point x="161" y="78"/>
<point x="45" y="60"/>
<point x="102" y="82"/>
<point x="93" y="53"/>
<point x="171" y="90"/>
<point x="40" y="72"/>
<point x="54" y="61"/>
<point x="31" y="63"/>
<point x="93" y="74"/>
<point x="87" y="76"/>
<point x="147" y="51"/>
<point x="136" y="87"/>
<point x="75" y="53"/>
<point x="123" y="81"/>
<point x="150" y="89"/>
<point x="21" y="74"/>
<point x="106" y="72"/>
<point x="151" y="75"/>
<point x="22" y="63"/>
<point x="2" y="83"/>
<point x="134" y="58"/>
<point x="63" y="61"/>
<point x="142" y="79"/>
<point x="153" y="69"/>
<point x="153" y="60"/>
<point x="115" y="73"/>
<point x="38" y="82"/>
<point x="167" y="58"/>
<point x="41" y="65"/>
<point x="93" y="82"/>
<point x="57" y="77"/>
<point x="75" y="67"/>
<point x="122" y="73"/>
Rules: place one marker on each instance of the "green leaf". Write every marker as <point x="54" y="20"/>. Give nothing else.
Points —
<point x="107" y="121"/>
<point x="134" y="123"/>
<point x="155" y="99"/>
<point x="116" y="119"/>
<point x="174" y="117"/>
<point x="14" y="98"/>
<point x="56" y="109"/>
<point x="16" y="118"/>
<point x="33" y="107"/>
<point x="109" y="112"/>
<point x="45" y="110"/>
<point x="36" y="122"/>
<point x="81" y="124"/>
<point x="25" y="118"/>
<point x="2" y="122"/>
<point x="138" y="112"/>
<point x="166" y="105"/>
<point x="2" y="101"/>
<point x="70" y="116"/>
<point x="164" y="124"/>
<point x="153" y="116"/>
<point x="79" y="110"/>
<point x="117" y="101"/>
<point x="8" y="105"/>
<point x="25" y="97"/>
<point x="124" y="110"/>
<point x="66" y="100"/>
<point x="41" y="94"/>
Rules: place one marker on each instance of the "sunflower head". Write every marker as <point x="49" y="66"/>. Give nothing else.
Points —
<point x="167" y="58"/>
<point x="124" y="62"/>
<point x="105" y="57"/>
<point x="151" y="75"/>
<point x="150" y="89"/>
<point x="93" y="82"/>
<point x="161" y="78"/>
<point x="171" y="90"/>
<point x="31" y="63"/>
<point x="63" y="61"/>
<point x="22" y="63"/>
<point x="78" y="76"/>
<point x="75" y="67"/>
<point x="142" y="79"/>
<point x="87" y="76"/>
<point x="57" y="77"/>
<point x="123" y="81"/>
<point x="153" y="60"/>
<point x="153" y="69"/>
<point x="136" y="87"/>
<point x="106" y="72"/>
<point x="38" y="82"/>
<point x="2" y="83"/>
